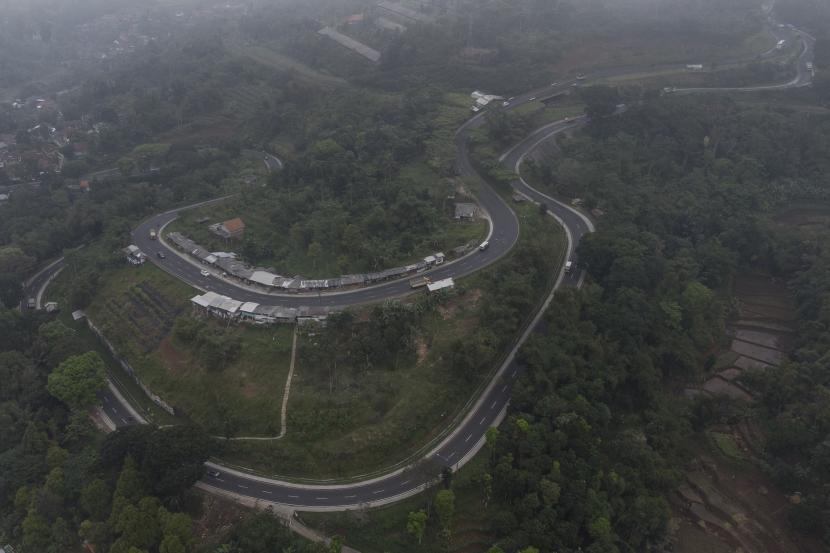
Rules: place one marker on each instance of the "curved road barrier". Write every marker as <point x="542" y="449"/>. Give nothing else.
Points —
<point x="467" y="437"/>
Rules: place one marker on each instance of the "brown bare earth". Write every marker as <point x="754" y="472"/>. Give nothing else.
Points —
<point x="761" y="336"/>
<point x="177" y="362"/>
<point x="421" y="349"/>
<point x="726" y="503"/>
<point x="806" y="217"/>
<point x="725" y="506"/>
<point x="216" y="518"/>
<point x="470" y="299"/>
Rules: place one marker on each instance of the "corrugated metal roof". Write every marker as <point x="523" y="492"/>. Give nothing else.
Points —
<point x="440" y="284"/>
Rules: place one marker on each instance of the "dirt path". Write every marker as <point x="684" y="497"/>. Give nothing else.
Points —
<point x="285" y="395"/>
<point x="287" y="391"/>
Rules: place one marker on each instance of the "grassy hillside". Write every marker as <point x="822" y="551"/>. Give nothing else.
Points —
<point x="227" y="379"/>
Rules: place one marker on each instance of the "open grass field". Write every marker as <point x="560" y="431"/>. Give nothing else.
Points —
<point x="137" y="310"/>
<point x="272" y="58"/>
<point x="543" y="114"/>
<point x="644" y="49"/>
<point x="343" y="423"/>
<point x="383" y="529"/>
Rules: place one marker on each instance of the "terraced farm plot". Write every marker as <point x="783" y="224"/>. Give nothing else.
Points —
<point x="241" y="394"/>
<point x="140" y="306"/>
<point x="727" y="503"/>
<point x="245" y="102"/>
<point x="761" y="337"/>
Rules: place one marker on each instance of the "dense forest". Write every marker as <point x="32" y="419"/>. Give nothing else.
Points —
<point x="683" y="190"/>
<point x="60" y="478"/>
<point x="686" y="187"/>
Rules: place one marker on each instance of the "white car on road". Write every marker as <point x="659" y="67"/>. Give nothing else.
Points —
<point x="204" y="272"/>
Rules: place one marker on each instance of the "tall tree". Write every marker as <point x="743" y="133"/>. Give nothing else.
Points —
<point x="77" y="381"/>
<point x="416" y="525"/>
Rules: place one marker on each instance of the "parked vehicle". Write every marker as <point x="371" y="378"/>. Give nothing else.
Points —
<point x="419" y="282"/>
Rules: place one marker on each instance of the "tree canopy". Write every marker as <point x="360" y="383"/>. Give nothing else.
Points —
<point x="78" y="379"/>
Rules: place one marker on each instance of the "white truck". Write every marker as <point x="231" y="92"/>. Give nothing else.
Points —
<point x="153" y="235"/>
<point x="419" y="282"/>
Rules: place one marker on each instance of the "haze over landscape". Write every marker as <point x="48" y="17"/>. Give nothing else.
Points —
<point x="413" y="276"/>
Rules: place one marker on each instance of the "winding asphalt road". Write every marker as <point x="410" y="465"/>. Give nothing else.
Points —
<point x="491" y="406"/>
<point x="504" y="231"/>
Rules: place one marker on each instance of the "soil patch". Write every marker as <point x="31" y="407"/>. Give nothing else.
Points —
<point x="727" y="503"/>
<point x="176" y="361"/>
<point x="216" y="518"/>
<point x="421" y="350"/>
<point x="805" y="216"/>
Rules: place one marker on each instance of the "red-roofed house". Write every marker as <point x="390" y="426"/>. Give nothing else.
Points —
<point x="232" y="228"/>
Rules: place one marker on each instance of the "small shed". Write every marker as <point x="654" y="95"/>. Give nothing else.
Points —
<point x="465" y="210"/>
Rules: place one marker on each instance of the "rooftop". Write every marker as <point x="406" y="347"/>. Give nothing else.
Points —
<point x="234" y="225"/>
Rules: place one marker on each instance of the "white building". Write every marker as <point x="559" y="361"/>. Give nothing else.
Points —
<point x="217" y="305"/>
<point x="134" y="255"/>
<point x="444" y="284"/>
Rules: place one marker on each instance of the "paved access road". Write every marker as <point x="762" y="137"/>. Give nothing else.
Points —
<point x="492" y="404"/>
<point x="115" y="407"/>
<point x="504" y="233"/>
<point x="487" y="411"/>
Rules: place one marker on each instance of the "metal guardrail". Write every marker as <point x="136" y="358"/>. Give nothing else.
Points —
<point x="457" y="419"/>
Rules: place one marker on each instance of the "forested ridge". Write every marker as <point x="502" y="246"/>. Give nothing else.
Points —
<point x="592" y="445"/>
<point x="684" y="191"/>
<point x="62" y="481"/>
